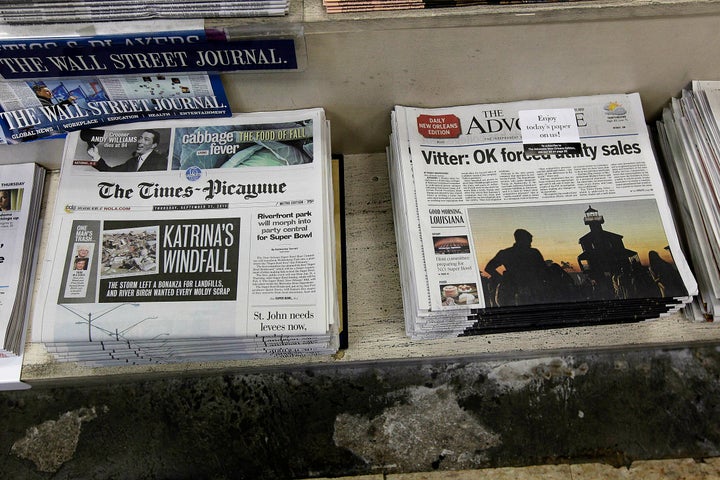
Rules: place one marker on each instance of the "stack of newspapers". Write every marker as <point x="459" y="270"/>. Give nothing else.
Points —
<point x="192" y="240"/>
<point x="21" y="189"/>
<point x="348" y="6"/>
<point x="56" y="11"/>
<point x="689" y="139"/>
<point x="529" y="215"/>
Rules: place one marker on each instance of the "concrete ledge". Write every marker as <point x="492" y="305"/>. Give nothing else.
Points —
<point x="620" y="410"/>
<point x="684" y="468"/>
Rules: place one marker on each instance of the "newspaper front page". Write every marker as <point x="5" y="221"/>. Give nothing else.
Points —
<point x="565" y="206"/>
<point x="39" y="108"/>
<point x="223" y="231"/>
<point x="86" y="75"/>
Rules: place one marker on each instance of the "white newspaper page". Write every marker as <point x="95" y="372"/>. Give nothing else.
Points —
<point x="566" y="205"/>
<point x="690" y="138"/>
<point x="16" y="187"/>
<point x="691" y="213"/>
<point x="10" y="370"/>
<point x="219" y="233"/>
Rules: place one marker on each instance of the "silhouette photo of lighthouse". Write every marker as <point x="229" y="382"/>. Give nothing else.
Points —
<point x="569" y="253"/>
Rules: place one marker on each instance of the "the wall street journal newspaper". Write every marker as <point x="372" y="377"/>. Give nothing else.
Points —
<point x="532" y="204"/>
<point x="215" y="233"/>
<point x="38" y="108"/>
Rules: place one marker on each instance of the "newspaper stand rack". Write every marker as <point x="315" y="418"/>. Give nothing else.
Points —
<point x="361" y="65"/>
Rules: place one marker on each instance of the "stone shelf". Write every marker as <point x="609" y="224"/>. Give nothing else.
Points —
<point x="358" y="66"/>
<point x="376" y="328"/>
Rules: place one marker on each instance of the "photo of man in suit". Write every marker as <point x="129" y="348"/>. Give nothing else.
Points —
<point x="45" y="95"/>
<point x="145" y="158"/>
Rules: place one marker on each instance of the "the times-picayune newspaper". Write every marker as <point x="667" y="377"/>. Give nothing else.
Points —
<point x="192" y="240"/>
<point x="532" y="214"/>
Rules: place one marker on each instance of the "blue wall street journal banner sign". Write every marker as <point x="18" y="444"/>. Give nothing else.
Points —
<point x="51" y="58"/>
<point x="56" y="84"/>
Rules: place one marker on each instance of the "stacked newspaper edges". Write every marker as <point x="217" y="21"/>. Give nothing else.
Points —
<point x="689" y="139"/>
<point x="349" y="6"/>
<point x="21" y="189"/>
<point x="55" y="11"/>
<point x="499" y="234"/>
<point x="224" y="250"/>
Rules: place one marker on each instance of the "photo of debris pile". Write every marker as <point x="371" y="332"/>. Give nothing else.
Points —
<point x="129" y="252"/>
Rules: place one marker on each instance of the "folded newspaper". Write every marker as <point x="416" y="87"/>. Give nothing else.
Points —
<point x="58" y="11"/>
<point x="21" y="189"/>
<point x="90" y="75"/>
<point x="41" y="108"/>
<point x="689" y="137"/>
<point x="528" y="215"/>
<point x="192" y="240"/>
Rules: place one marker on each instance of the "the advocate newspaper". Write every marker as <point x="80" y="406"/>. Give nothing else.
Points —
<point x="219" y="232"/>
<point x="492" y="204"/>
